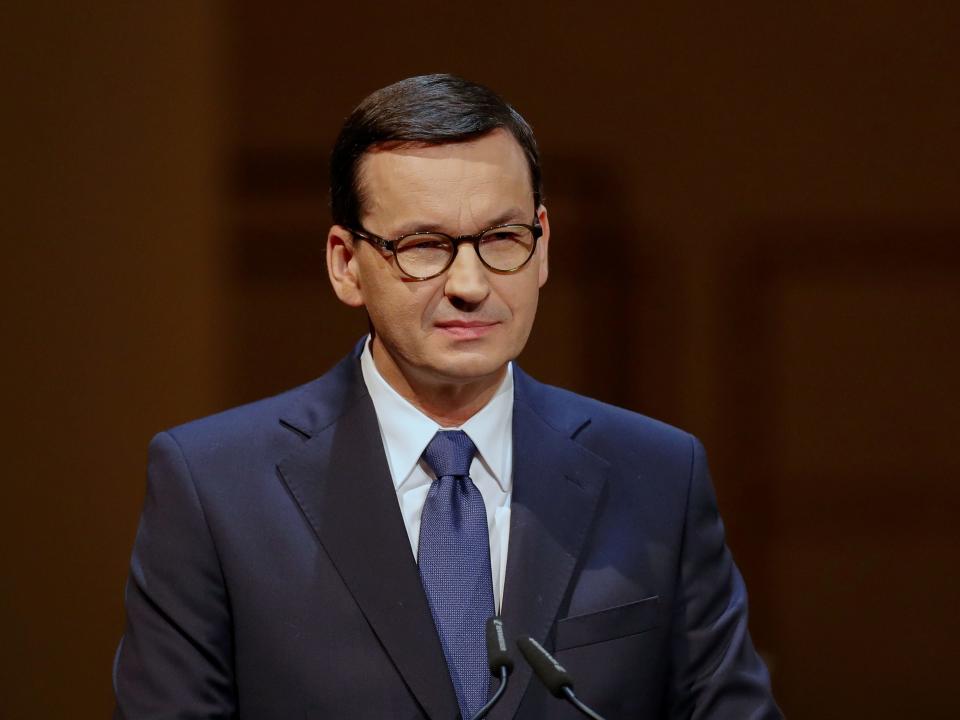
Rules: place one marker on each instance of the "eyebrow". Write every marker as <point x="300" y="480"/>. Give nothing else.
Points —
<point x="512" y="216"/>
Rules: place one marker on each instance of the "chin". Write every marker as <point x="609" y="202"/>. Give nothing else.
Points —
<point x="472" y="368"/>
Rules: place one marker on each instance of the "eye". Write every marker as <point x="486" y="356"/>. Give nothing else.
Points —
<point x="423" y="245"/>
<point x="505" y="236"/>
<point x="416" y="244"/>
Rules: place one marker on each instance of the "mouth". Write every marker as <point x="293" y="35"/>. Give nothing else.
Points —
<point x="466" y="329"/>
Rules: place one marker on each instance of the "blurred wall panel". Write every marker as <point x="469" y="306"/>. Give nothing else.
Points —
<point x="111" y="324"/>
<point x="840" y="375"/>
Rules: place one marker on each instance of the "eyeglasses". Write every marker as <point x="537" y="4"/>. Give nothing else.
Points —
<point x="424" y="255"/>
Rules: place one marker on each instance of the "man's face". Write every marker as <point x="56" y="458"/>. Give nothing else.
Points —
<point x="467" y="323"/>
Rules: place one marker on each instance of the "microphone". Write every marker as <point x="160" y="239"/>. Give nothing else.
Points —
<point x="497" y="651"/>
<point x="501" y="664"/>
<point x="552" y="674"/>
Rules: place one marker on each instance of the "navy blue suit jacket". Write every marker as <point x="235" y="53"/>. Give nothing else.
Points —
<point x="272" y="575"/>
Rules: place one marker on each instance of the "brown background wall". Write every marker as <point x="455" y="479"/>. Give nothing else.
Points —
<point x="775" y="190"/>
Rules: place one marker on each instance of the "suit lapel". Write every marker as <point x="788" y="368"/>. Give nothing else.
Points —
<point x="341" y="480"/>
<point x="556" y="492"/>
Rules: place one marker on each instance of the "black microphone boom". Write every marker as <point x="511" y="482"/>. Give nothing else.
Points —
<point x="497" y="652"/>
<point x="501" y="664"/>
<point x="552" y="674"/>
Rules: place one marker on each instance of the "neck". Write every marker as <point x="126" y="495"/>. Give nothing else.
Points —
<point x="449" y="404"/>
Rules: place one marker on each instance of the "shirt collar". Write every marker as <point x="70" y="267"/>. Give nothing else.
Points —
<point x="406" y="431"/>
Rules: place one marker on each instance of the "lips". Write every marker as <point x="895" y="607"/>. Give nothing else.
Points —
<point x="466" y="329"/>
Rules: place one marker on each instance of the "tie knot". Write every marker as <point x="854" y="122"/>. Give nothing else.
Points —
<point x="450" y="453"/>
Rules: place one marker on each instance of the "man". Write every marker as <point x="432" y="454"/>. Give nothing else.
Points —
<point x="335" y="551"/>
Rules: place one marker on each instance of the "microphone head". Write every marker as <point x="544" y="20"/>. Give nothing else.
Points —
<point x="551" y="673"/>
<point x="497" y="652"/>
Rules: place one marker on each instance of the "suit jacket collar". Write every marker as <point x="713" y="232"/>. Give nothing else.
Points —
<point x="557" y="487"/>
<point x="340" y="474"/>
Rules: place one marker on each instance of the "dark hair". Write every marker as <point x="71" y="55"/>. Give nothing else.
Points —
<point x="429" y="109"/>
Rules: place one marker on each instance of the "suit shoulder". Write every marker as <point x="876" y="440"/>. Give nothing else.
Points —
<point x="299" y="410"/>
<point x="239" y="425"/>
<point x="604" y="427"/>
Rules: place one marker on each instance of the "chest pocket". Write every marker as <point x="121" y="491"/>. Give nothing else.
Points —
<point x="630" y="619"/>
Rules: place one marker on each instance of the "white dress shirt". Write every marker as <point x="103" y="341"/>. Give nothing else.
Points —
<point x="406" y="431"/>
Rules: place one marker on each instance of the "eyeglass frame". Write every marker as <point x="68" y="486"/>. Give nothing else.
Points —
<point x="391" y="245"/>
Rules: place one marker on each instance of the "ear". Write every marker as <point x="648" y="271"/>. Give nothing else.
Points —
<point x="342" y="266"/>
<point x="543" y="244"/>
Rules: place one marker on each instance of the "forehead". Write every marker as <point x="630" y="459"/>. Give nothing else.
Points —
<point x="455" y="185"/>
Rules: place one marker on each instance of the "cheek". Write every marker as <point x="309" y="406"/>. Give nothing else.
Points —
<point x="398" y="307"/>
<point x="521" y="296"/>
<point x="426" y="303"/>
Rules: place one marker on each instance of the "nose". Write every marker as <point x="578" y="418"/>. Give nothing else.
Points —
<point x="466" y="278"/>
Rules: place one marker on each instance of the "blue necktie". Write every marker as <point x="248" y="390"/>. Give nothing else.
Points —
<point x="454" y="559"/>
